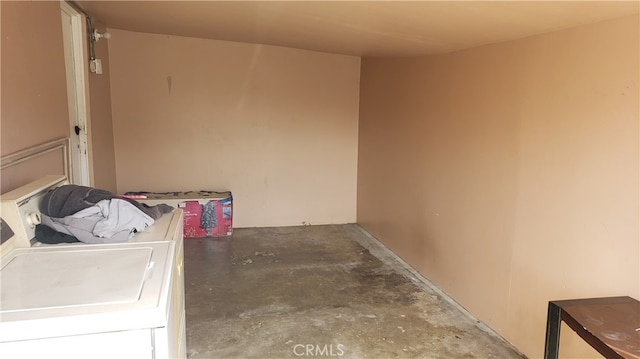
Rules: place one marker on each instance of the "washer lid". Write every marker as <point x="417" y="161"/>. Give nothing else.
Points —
<point x="34" y="280"/>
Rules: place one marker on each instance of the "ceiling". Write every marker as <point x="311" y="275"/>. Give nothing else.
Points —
<point x="360" y="28"/>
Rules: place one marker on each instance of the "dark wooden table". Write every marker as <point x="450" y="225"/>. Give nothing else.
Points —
<point x="610" y="325"/>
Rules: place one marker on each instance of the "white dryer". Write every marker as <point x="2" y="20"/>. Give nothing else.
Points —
<point x="89" y="301"/>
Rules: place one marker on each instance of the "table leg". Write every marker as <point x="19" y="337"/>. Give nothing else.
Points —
<point x="552" y="340"/>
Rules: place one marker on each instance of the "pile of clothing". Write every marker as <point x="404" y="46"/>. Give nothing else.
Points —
<point x="73" y="213"/>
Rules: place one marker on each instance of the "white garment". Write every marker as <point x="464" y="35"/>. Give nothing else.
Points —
<point x="115" y="215"/>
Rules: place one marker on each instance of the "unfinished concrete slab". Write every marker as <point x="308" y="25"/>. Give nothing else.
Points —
<point x="320" y="291"/>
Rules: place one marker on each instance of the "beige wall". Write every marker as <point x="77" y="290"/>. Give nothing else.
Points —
<point x="101" y="128"/>
<point x="34" y="95"/>
<point x="34" y="98"/>
<point x="508" y="174"/>
<point x="276" y="126"/>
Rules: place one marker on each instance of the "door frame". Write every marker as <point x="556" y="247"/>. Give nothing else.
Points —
<point x="75" y="60"/>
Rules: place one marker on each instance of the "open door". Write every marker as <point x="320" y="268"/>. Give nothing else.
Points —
<point x="73" y="36"/>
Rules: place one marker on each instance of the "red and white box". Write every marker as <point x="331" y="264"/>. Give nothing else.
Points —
<point x="206" y="213"/>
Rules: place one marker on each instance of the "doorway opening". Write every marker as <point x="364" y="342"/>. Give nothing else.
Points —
<point x="73" y="38"/>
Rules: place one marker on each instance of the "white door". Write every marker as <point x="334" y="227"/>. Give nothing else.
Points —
<point x="73" y="34"/>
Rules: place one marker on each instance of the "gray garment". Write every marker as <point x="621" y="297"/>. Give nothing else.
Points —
<point x="109" y="221"/>
<point x="66" y="200"/>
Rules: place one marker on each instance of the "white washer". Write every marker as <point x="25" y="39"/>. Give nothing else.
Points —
<point x="89" y="301"/>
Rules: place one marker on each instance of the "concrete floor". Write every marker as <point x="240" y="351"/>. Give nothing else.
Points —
<point x="320" y="291"/>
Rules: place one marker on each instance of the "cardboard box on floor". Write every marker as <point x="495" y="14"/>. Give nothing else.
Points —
<point x="206" y="213"/>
